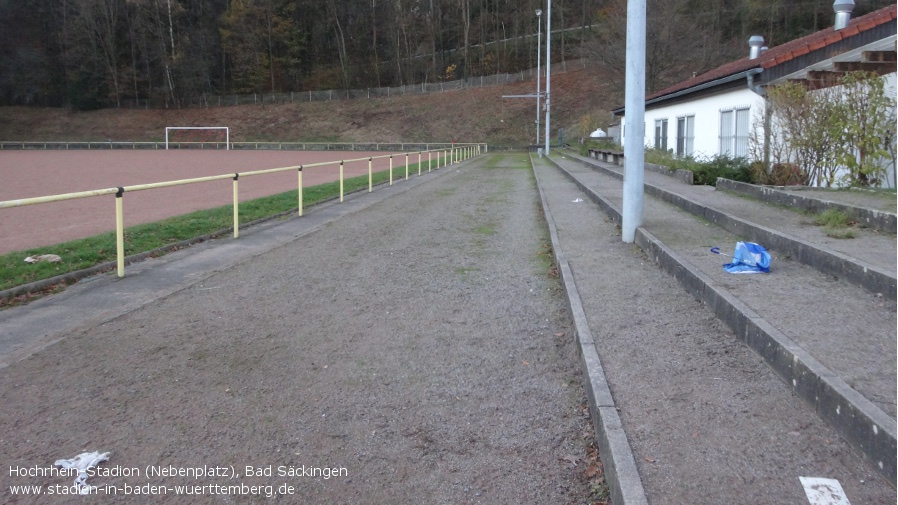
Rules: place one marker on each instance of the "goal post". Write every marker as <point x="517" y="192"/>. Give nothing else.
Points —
<point x="227" y="132"/>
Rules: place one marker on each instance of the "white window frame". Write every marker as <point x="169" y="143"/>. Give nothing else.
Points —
<point x="685" y="135"/>
<point x="734" y="131"/>
<point x="661" y="134"/>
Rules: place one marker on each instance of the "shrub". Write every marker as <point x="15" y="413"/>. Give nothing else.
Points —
<point x="707" y="172"/>
<point x="598" y="144"/>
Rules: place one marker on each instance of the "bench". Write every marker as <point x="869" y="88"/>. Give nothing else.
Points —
<point x="607" y="155"/>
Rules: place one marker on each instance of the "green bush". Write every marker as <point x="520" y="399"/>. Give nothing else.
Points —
<point x="707" y="172"/>
<point x="598" y="144"/>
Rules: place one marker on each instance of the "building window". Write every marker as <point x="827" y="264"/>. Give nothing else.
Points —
<point x="734" y="124"/>
<point x="685" y="135"/>
<point x="661" y="134"/>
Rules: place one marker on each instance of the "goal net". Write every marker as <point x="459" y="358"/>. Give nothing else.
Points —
<point x="198" y="137"/>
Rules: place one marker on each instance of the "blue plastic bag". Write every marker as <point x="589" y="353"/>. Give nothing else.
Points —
<point x="749" y="258"/>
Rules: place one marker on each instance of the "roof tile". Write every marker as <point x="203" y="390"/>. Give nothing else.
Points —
<point x="787" y="51"/>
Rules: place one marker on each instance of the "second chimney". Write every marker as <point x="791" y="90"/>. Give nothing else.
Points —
<point x="843" y="10"/>
<point x="756" y="42"/>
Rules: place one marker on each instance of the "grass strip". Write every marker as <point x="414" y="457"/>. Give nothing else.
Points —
<point x="87" y="252"/>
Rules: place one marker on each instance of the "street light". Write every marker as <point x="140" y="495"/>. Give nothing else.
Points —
<point x="548" y="71"/>
<point x="539" y="48"/>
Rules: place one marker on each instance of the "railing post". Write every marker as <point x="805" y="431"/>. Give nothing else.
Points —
<point x="300" y="189"/>
<point x="120" y="233"/>
<point x="236" y="209"/>
<point x="341" y="181"/>
<point x="419" y="162"/>
<point x="370" y="181"/>
<point x="428" y="160"/>
<point x="391" y="170"/>
<point x="406" y="166"/>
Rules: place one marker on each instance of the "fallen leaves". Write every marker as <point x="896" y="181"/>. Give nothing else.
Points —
<point x="594" y="473"/>
<point x="32" y="295"/>
<point x="595" y="469"/>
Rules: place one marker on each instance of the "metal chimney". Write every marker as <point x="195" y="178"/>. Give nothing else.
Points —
<point x="755" y="42"/>
<point x="843" y="10"/>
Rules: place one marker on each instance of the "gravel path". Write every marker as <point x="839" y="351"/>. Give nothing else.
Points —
<point x="421" y="345"/>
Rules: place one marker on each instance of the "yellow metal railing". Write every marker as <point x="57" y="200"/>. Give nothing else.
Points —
<point x="448" y="155"/>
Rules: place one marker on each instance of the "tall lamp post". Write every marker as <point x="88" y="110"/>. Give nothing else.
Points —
<point x="548" y="70"/>
<point x="634" y="136"/>
<point x="539" y="48"/>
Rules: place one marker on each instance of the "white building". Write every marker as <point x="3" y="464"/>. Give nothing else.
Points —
<point x="712" y="113"/>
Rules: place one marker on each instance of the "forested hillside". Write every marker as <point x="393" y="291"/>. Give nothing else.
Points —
<point x="88" y="54"/>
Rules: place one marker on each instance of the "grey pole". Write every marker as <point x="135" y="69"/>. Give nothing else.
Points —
<point x="548" y="71"/>
<point x="539" y="48"/>
<point x="634" y="129"/>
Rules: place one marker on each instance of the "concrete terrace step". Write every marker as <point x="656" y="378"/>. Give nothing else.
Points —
<point x="855" y="203"/>
<point x="832" y="342"/>
<point x="868" y="262"/>
<point x="705" y="419"/>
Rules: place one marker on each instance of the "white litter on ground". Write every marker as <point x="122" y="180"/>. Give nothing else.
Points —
<point x="578" y="200"/>
<point x="50" y="258"/>
<point x="822" y="491"/>
<point x="82" y="463"/>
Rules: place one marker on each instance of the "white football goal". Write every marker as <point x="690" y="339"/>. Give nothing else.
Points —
<point x="200" y="135"/>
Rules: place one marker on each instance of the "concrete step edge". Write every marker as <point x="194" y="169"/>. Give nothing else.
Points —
<point x="857" y="272"/>
<point x="621" y="471"/>
<point x="864" y="425"/>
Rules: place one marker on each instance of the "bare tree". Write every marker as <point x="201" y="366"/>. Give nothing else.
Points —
<point x="99" y="27"/>
<point x="465" y="8"/>
<point x="677" y="45"/>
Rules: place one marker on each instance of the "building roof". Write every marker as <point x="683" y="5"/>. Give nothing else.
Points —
<point x="780" y="54"/>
